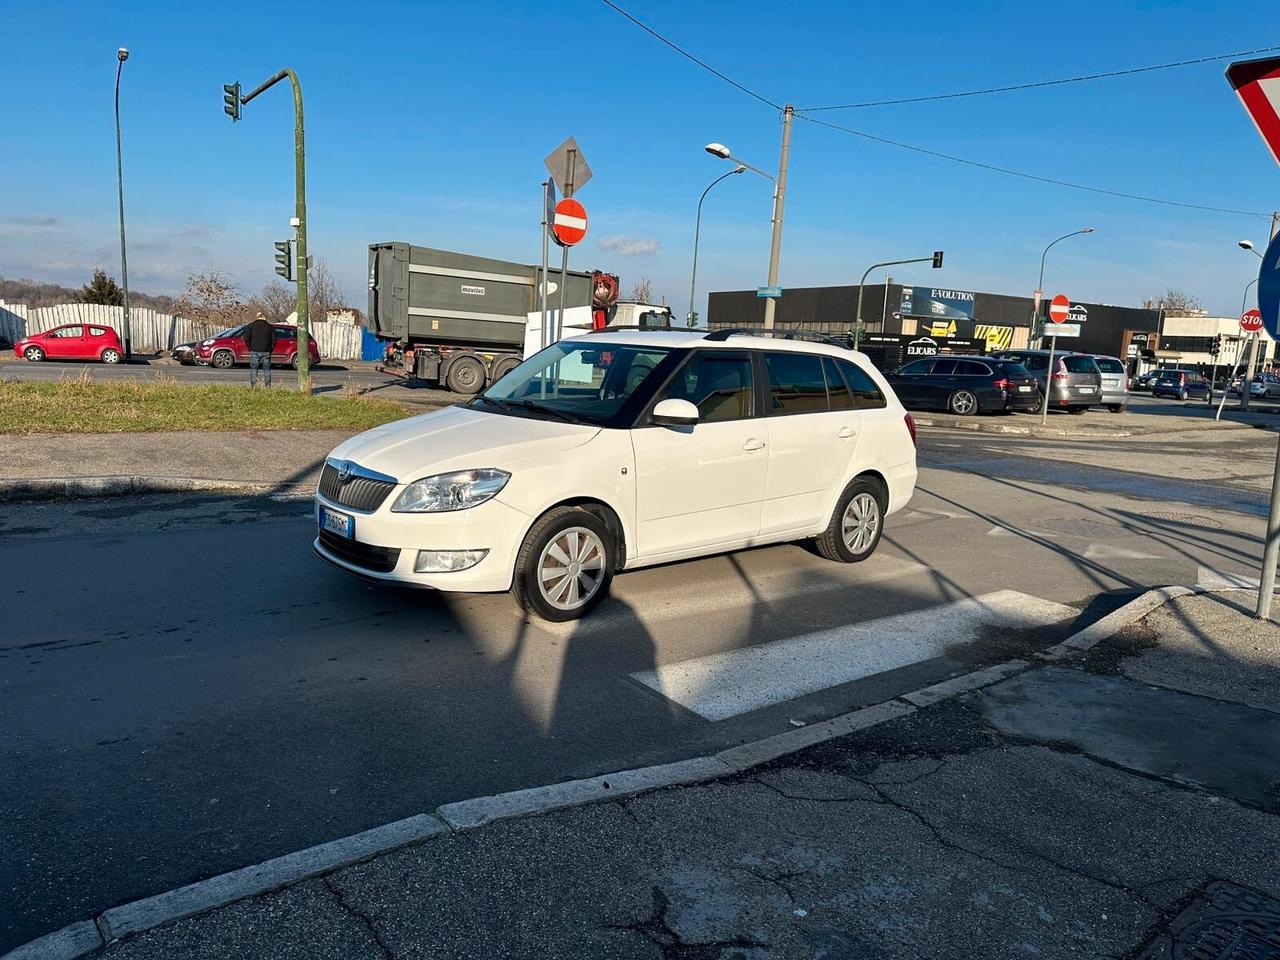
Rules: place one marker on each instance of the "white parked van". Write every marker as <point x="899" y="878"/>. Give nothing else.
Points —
<point x="620" y="450"/>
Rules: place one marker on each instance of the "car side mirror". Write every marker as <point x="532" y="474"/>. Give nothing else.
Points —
<point x="674" y="412"/>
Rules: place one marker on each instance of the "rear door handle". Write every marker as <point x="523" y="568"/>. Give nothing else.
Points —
<point x="847" y="433"/>
<point x="753" y="445"/>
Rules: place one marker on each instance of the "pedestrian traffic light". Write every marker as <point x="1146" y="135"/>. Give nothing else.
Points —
<point x="937" y="259"/>
<point x="284" y="259"/>
<point x="231" y="100"/>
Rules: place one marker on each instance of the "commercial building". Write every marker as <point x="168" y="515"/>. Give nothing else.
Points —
<point x="901" y="320"/>
<point x="1188" y="342"/>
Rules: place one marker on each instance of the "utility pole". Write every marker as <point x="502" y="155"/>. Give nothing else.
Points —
<point x="779" y="199"/>
<point x="122" y="55"/>
<point x="300" y="200"/>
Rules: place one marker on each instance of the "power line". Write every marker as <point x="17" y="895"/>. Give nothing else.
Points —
<point x="689" y="56"/>
<point x="1041" y="83"/>
<point x="1029" y="176"/>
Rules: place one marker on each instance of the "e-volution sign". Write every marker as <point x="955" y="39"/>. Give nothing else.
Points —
<point x="937" y="304"/>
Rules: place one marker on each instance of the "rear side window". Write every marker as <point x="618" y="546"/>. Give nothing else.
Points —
<point x="943" y="368"/>
<point x="1079" y="364"/>
<point x="97" y="332"/>
<point x="1010" y="369"/>
<point x="866" y="395"/>
<point x="796" y="383"/>
<point x="1037" y="361"/>
<point x="1109" y="364"/>
<point x="841" y="398"/>
<point x="287" y="333"/>
<point x="972" y="368"/>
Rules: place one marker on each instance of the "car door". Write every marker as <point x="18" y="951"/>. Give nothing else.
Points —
<point x="941" y="382"/>
<point x="806" y="441"/>
<point x="908" y="381"/>
<point x="66" y="343"/>
<point x="700" y="487"/>
<point x="286" y="341"/>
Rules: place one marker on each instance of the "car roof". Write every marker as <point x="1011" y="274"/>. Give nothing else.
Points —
<point x="689" y="339"/>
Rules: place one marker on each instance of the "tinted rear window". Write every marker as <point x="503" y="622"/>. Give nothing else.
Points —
<point x="866" y="395"/>
<point x="1014" y="370"/>
<point x="971" y="368"/>
<point x="1079" y="364"/>
<point x="796" y="382"/>
<point x="1109" y="365"/>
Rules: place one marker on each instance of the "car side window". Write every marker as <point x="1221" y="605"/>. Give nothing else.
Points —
<point x="97" y="332"/>
<point x="796" y="383"/>
<point x="287" y="333"/>
<point x="866" y="395"/>
<point x="943" y="368"/>
<point x="68" y="332"/>
<point x="718" y="383"/>
<point x="971" y="368"/>
<point x="837" y="393"/>
<point x="916" y="368"/>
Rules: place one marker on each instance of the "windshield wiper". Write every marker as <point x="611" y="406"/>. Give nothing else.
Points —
<point x="500" y="404"/>
<point x="544" y="408"/>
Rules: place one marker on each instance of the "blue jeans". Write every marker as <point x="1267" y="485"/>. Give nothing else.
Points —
<point x="259" y="361"/>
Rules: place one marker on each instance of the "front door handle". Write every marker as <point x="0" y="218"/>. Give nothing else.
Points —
<point x="753" y="445"/>
<point x="847" y="433"/>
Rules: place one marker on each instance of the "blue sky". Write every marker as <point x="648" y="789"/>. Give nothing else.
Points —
<point x="427" y="122"/>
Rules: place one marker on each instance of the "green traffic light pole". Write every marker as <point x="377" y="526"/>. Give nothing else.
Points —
<point x="304" y="340"/>
<point x="936" y="259"/>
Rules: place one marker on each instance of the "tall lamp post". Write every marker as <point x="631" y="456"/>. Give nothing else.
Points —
<point x="121" y="56"/>
<point x="697" y="230"/>
<point x="779" y="201"/>
<point x="1039" y="294"/>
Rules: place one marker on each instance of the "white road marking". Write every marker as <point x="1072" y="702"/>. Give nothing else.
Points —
<point x="726" y="684"/>
<point x="1001" y="532"/>
<point x="1102" y="551"/>
<point x="1213" y="580"/>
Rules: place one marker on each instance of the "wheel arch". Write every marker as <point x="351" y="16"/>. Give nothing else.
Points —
<point x="607" y="513"/>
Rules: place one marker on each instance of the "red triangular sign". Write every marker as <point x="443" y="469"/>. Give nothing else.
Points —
<point x="1257" y="84"/>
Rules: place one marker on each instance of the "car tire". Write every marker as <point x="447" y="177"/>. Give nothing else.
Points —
<point x="466" y="376"/>
<point x="844" y="540"/>
<point x="1116" y="407"/>
<point x="581" y="537"/>
<point x="503" y="367"/>
<point x="110" y="355"/>
<point x="963" y="403"/>
<point x="293" y="361"/>
<point x="1182" y="395"/>
<point x="223" y="360"/>
<point x="34" y="354"/>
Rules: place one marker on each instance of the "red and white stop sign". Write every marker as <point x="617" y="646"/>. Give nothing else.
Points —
<point x="1060" y="308"/>
<point x="1251" y="321"/>
<point x="570" y="222"/>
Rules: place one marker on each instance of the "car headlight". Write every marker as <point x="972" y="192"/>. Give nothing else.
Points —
<point x="460" y="490"/>
<point x="206" y="343"/>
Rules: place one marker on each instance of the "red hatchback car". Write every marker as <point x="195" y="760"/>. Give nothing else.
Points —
<point x="228" y="348"/>
<point x="72" y="341"/>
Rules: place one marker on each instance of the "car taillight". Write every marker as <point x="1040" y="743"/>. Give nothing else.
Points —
<point x="1062" y="376"/>
<point x="1002" y="385"/>
<point x="911" y="428"/>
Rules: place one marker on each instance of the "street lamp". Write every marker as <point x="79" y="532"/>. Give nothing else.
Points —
<point x="779" y="200"/>
<point x="697" y="229"/>
<point x="1248" y="245"/>
<point x="122" y="55"/>
<point x="1040" y="283"/>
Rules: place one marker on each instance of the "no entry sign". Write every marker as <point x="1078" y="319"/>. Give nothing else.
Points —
<point x="1251" y="321"/>
<point x="570" y="222"/>
<point x="1060" y="308"/>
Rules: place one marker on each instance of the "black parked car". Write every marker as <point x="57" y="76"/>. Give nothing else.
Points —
<point x="965" y="385"/>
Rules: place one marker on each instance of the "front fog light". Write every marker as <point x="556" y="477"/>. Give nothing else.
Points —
<point x="447" y="561"/>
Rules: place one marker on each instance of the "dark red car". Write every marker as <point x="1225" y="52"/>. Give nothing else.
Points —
<point x="72" y="341"/>
<point x="228" y="348"/>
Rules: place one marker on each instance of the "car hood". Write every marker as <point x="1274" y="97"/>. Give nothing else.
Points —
<point x="459" y="438"/>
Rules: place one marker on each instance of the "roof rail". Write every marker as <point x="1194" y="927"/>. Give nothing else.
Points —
<point x="727" y="332"/>
<point x="635" y="326"/>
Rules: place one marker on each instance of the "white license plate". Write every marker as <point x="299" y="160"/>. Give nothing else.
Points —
<point x="1086" y="389"/>
<point x="1024" y="389"/>
<point x="339" y="523"/>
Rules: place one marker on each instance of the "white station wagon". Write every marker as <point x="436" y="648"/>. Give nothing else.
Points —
<point x="620" y="450"/>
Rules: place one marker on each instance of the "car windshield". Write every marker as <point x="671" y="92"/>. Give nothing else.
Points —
<point x="229" y="332"/>
<point x="575" y="380"/>
<point x="1109" y="364"/>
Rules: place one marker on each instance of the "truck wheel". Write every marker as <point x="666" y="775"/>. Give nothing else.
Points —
<point x="466" y="375"/>
<point x="503" y="367"/>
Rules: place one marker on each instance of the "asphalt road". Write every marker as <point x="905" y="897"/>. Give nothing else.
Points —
<point x="185" y="689"/>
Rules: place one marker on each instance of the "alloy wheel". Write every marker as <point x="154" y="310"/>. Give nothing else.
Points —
<point x="860" y="523"/>
<point x="571" y="568"/>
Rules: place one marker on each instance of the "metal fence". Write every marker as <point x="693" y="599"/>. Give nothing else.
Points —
<point x="154" y="332"/>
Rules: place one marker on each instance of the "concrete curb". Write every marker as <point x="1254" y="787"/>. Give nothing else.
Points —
<point x="83" y="937"/>
<point x="1013" y="429"/>
<point x="64" y="488"/>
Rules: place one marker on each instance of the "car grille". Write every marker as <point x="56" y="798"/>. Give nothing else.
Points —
<point x="377" y="559"/>
<point x="359" y="493"/>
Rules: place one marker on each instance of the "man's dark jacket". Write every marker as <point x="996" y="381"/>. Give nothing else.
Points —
<point x="260" y="337"/>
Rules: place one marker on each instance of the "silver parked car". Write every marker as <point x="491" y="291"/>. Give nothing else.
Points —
<point x="1115" y="383"/>
<point x="1076" y="384"/>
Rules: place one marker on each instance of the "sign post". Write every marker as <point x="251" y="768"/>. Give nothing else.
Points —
<point x="548" y="214"/>
<point x="569" y="169"/>
<point x="1059" y="310"/>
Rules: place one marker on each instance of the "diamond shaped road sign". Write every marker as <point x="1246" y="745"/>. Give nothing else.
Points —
<point x="1257" y="84"/>
<point x="568" y="167"/>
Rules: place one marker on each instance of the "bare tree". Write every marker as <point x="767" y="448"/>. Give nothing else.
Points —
<point x="642" y="291"/>
<point x="1175" y="303"/>
<point x="277" y="300"/>
<point x="212" y="298"/>
<point x="323" y="291"/>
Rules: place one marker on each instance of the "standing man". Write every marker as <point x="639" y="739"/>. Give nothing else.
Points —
<point x="260" y="338"/>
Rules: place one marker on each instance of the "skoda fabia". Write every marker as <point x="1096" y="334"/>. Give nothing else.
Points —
<point x="621" y="450"/>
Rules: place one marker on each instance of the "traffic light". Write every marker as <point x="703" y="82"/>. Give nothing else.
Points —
<point x="231" y="100"/>
<point x="1214" y="348"/>
<point x="284" y="259"/>
<point x="937" y="259"/>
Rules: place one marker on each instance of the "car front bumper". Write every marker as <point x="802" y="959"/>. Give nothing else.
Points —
<point x="491" y="526"/>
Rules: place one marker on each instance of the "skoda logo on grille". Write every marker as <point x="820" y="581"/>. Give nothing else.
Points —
<point x="345" y="469"/>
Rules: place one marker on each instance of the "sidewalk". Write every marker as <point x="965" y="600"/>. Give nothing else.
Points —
<point x="1100" y="804"/>
<point x="278" y="461"/>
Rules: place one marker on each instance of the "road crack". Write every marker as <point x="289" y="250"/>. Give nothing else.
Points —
<point x="659" y="932"/>
<point x="360" y="916"/>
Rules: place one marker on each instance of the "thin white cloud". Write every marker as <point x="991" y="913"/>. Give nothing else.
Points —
<point x="625" y="246"/>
